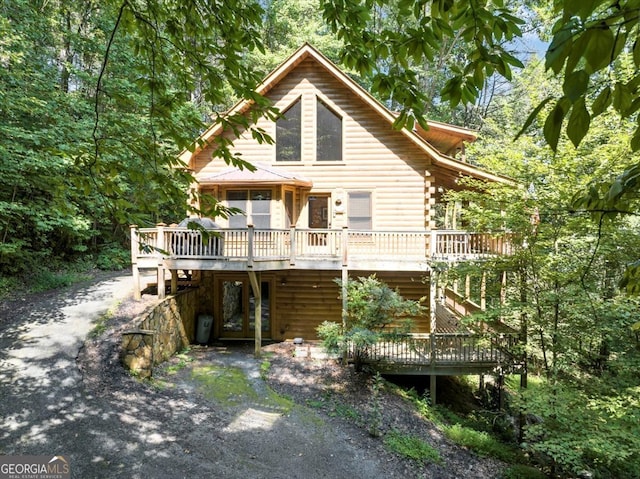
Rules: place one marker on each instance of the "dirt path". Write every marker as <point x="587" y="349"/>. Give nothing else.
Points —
<point x="62" y="396"/>
<point x="107" y="424"/>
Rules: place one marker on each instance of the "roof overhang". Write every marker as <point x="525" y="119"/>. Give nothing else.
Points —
<point x="262" y="175"/>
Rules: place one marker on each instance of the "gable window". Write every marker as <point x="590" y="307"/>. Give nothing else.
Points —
<point x="255" y="203"/>
<point x="289" y="133"/>
<point x="328" y="134"/>
<point x="359" y="211"/>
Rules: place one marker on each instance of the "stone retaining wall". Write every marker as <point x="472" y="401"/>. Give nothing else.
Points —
<point x="162" y="330"/>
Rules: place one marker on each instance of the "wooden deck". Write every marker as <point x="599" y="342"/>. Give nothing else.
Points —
<point x="445" y="354"/>
<point x="263" y="250"/>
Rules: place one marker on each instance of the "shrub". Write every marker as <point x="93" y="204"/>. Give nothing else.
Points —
<point x="480" y="442"/>
<point x="519" y="471"/>
<point x="412" y="447"/>
<point x="372" y="306"/>
<point x="113" y="258"/>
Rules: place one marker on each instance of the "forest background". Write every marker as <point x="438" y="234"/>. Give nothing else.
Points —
<point x="98" y="98"/>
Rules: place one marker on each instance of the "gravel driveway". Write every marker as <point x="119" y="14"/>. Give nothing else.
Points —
<point x="108" y="424"/>
<point x="64" y="395"/>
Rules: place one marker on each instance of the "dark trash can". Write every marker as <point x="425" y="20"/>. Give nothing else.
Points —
<point x="203" y="328"/>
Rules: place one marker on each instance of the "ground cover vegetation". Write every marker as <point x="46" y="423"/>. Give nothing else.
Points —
<point x="97" y="99"/>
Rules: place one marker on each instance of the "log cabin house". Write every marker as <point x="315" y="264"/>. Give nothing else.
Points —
<point x="340" y="193"/>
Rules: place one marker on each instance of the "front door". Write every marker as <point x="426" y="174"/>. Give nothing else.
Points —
<point x="318" y="219"/>
<point x="236" y="307"/>
<point x="319" y="211"/>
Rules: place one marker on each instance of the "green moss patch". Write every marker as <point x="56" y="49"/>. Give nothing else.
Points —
<point x="230" y="386"/>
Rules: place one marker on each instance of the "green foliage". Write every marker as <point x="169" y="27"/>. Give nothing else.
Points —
<point x="371" y="304"/>
<point x="113" y="258"/>
<point x="562" y="288"/>
<point x="412" y="447"/>
<point x="265" y="366"/>
<point x="481" y="442"/>
<point x="44" y="279"/>
<point x="520" y="471"/>
<point x="372" y="310"/>
<point x="589" y="39"/>
<point x="331" y="334"/>
<point x="388" y="52"/>
<point x="375" y="408"/>
<point x="7" y="286"/>
<point x="586" y="427"/>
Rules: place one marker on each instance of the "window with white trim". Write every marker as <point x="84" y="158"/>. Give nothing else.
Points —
<point x="289" y="133"/>
<point x="359" y="211"/>
<point x="255" y="203"/>
<point x="328" y="133"/>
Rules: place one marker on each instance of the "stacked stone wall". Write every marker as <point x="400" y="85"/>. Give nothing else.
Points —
<point x="162" y="330"/>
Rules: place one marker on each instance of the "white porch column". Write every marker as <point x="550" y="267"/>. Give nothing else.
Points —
<point x="135" y="272"/>
<point x="159" y="248"/>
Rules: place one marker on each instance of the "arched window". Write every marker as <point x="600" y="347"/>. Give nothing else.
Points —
<point x="288" y="133"/>
<point x="329" y="134"/>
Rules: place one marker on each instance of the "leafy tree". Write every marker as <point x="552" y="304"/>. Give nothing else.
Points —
<point x="587" y="38"/>
<point x="374" y="311"/>
<point x="562" y="296"/>
<point x="287" y="25"/>
<point x="75" y="167"/>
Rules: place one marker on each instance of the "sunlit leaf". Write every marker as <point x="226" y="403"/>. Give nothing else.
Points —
<point x="579" y="121"/>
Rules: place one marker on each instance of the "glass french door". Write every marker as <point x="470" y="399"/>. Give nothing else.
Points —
<point x="318" y="219"/>
<point x="237" y="307"/>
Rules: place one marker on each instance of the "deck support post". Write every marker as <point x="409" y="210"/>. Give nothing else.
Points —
<point x="467" y="287"/>
<point x="159" y="249"/>
<point x="432" y="388"/>
<point x="174" y="281"/>
<point x="344" y="242"/>
<point x="345" y="304"/>
<point x="254" y="279"/>
<point x="483" y="291"/>
<point x="135" y="272"/>
<point x="500" y="390"/>
<point x="433" y="286"/>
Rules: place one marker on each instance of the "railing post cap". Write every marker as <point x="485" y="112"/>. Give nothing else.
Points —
<point x="161" y="224"/>
<point x="133" y="226"/>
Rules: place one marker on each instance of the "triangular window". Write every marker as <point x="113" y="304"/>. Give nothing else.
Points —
<point x="289" y="133"/>
<point x="329" y="133"/>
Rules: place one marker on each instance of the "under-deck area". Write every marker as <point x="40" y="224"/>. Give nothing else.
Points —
<point x="283" y="285"/>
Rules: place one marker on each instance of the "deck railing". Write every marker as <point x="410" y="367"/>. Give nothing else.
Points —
<point x="253" y="244"/>
<point x="443" y="349"/>
<point x="449" y="244"/>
